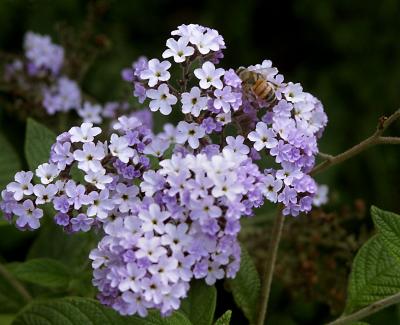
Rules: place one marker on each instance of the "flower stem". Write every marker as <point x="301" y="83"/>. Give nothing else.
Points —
<point x="270" y="266"/>
<point x="369" y="310"/>
<point x="15" y="283"/>
<point x="375" y="139"/>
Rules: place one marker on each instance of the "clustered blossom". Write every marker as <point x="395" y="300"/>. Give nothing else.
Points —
<point x="170" y="204"/>
<point x="42" y="54"/>
<point x="64" y="95"/>
<point x="40" y="72"/>
<point x="184" y="226"/>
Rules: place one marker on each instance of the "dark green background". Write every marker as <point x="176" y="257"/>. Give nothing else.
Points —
<point x="347" y="53"/>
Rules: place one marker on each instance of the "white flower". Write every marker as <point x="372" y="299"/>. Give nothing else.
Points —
<point x="161" y="99"/>
<point x="272" y="187"/>
<point x="169" y="133"/>
<point x="22" y="185"/>
<point x="157" y="71"/>
<point x="189" y="132"/>
<point x="126" y="123"/>
<point x="90" y="113"/>
<point x="89" y="158"/>
<point x="227" y="186"/>
<point x="193" y="103"/>
<point x="119" y="147"/>
<point x="156" y="147"/>
<point x="101" y="206"/>
<point x="47" y="172"/>
<point x="125" y="197"/>
<point x="263" y="137"/>
<point x="294" y="92"/>
<point x="209" y="76"/>
<point x="85" y="133"/>
<point x="224" y="118"/>
<point x="44" y="194"/>
<point x="321" y="196"/>
<point x="98" y="179"/>
<point x="237" y="144"/>
<point x="186" y="30"/>
<point x="205" y="42"/>
<point x="153" y="219"/>
<point x="289" y="173"/>
<point x="178" y="49"/>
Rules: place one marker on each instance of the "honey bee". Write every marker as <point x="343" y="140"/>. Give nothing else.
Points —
<point x="254" y="81"/>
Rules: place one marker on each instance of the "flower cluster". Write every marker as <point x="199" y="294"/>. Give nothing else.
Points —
<point x="170" y="204"/>
<point x="42" y="55"/>
<point x="286" y="128"/>
<point x="185" y="226"/>
<point x="40" y="72"/>
<point x="91" y="196"/>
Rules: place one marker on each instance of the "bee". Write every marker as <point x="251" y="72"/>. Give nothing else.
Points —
<point x="254" y="81"/>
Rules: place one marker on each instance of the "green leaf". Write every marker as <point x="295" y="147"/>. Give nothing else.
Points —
<point x="246" y="287"/>
<point x="200" y="304"/>
<point x="225" y="319"/>
<point x="388" y="225"/>
<point x="80" y="311"/>
<point x="9" y="162"/>
<point x="6" y="319"/>
<point x="10" y="300"/>
<point x="38" y="142"/>
<point x="375" y="275"/>
<point x="44" y="271"/>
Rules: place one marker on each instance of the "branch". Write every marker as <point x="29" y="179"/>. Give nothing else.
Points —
<point x="375" y="139"/>
<point x="15" y="283"/>
<point x="270" y="266"/>
<point x="369" y="310"/>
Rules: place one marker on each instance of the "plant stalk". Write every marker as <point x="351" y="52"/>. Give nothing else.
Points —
<point x="369" y="310"/>
<point x="270" y="267"/>
<point x="15" y="283"/>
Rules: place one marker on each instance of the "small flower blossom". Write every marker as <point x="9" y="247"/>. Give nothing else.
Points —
<point x="85" y="133"/>
<point x="209" y="76"/>
<point x="263" y="137"/>
<point x="189" y="132"/>
<point x="22" y="185"/>
<point x="162" y="100"/>
<point x="321" y="196"/>
<point x="205" y="42"/>
<point x="157" y="71"/>
<point x="81" y="223"/>
<point x="28" y="215"/>
<point x="193" y="102"/>
<point x="90" y="113"/>
<point x="119" y="147"/>
<point x="90" y="157"/>
<point x="179" y="49"/>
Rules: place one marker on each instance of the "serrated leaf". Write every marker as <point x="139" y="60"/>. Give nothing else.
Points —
<point x="374" y="276"/>
<point x="246" y="287"/>
<point x="388" y="225"/>
<point x="9" y="162"/>
<point x="38" y="142"/>
<point x="200" y="304"/>
<point x="44" y="271"/>
<point x="225" y="319"/>
<point x="10" y="300"/>
<point x="79" y="311"/>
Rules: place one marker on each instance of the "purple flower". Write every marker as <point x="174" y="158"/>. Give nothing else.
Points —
<point x="81" y="223"/>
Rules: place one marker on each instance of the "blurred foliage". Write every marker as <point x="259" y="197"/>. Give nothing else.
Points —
<point x="347" y="53"/>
